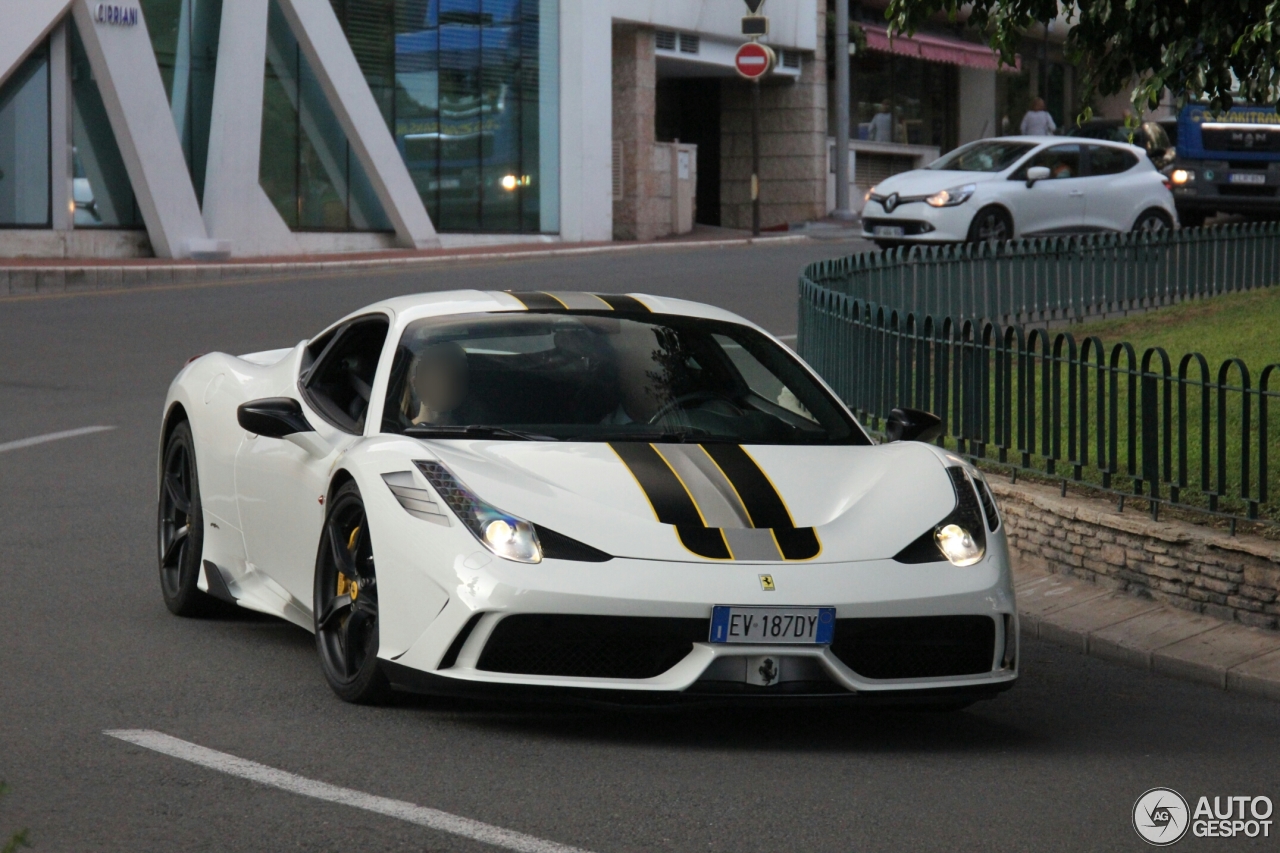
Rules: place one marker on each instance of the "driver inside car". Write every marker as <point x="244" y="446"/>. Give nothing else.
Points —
<point x="440" y="381"/>
<point x="641" y="391"/>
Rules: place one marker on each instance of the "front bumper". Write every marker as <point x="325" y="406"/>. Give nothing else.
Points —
<point x="454" y="653"/>
<point x="920" y="222"/>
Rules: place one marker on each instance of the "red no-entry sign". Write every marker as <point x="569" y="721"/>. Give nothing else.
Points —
<point x="753" y="60"/>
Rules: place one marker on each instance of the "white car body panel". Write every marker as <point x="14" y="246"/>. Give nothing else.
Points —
<point x="1069" y="205"/>
<point x="263" y="509"/>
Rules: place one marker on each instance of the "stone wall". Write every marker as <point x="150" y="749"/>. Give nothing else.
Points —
<point x="793" y="146"/>
<point x="635" y="216"/>
<point x="1196" y="568"/>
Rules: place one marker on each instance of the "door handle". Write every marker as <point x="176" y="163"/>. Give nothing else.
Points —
<point x="1076" y="193"/>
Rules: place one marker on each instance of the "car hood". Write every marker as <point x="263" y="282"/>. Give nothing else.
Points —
<point x="856" y="502"/>
<point x="922" y="182"/>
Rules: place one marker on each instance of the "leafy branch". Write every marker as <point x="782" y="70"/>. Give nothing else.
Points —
<point x="1197" y="49"/>
<point x="18" y="839"/>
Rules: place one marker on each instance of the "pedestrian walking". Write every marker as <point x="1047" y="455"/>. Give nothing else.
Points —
<point x="1037" y="121"/>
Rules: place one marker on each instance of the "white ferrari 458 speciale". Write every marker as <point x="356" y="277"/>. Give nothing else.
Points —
<point x="580" y="496"/>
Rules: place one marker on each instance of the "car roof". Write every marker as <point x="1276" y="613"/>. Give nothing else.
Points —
<point x="418" y="306"/>
<point x="1069" y="140"/>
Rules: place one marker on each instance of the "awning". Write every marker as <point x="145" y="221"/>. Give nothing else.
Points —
<point x="932" y="48"/>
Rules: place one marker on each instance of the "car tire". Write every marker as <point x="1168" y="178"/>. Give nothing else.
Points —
<point x="346" y="602"/>
<point x="991" y="225"/>
<point x="1153" y="219"/>
<point x="180" y="527"/>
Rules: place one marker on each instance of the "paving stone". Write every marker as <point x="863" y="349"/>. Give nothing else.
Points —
<point x="1257" y="677"/>
<point x="1206" y="657"/>
<point x="1072" y="626"/>
<point x="1133" y="640"/>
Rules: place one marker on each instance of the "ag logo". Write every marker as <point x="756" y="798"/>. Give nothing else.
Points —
<point x="890" y="202"/>
<point x="1160" y="817"/>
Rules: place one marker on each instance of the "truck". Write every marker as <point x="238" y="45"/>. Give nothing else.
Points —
<point x="1226" y="162"/>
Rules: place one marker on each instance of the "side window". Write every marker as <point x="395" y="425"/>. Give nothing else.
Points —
<point x="1062" y="161"/>
<point x="1109" y="161"/>
<point x="340" y="384"/>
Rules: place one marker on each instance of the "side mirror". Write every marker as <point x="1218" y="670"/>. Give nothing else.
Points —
<point x="913" y="425"/>
<point x="1036" y="173"/>
<point x="273" y="417"/>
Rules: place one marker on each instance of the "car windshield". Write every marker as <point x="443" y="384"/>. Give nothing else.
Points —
<point x="987" y="156"/>
<point x="585" y="376"/>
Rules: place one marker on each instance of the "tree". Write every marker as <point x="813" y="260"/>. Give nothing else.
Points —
<point x="1190" y="47"/>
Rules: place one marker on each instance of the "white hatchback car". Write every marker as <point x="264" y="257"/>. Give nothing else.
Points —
<point x="1020" y="186"/>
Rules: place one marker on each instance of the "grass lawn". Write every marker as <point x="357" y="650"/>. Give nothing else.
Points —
<point x="1240" y="325"/>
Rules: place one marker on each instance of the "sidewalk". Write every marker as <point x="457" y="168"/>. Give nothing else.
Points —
<point x="36" y="276"/>
<point x="1124" y="628"/>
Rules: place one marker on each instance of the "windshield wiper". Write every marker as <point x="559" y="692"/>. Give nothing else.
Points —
<point x="473" y="431"/>
<point x="671" y="437"/>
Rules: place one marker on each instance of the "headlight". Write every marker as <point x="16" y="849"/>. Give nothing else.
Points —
<point x="1182" y="176"/>
<point x="500" y="532"/>
<point x="958" y="545"/>
<point x="961" y="537"/>
<point x="951" y="197"/>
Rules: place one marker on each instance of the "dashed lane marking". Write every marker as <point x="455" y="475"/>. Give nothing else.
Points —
<point x="399" y="809"/>
<point x="51" y="436"/>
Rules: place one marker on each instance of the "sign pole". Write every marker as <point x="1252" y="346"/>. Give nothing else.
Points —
<point x="841" y="60"/>
<point x="753" y="61"/>
<point x="755" y="157"/>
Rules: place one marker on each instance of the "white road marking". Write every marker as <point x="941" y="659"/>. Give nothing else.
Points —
<point x="399" y="809"/>
<point x="51" y="436"/>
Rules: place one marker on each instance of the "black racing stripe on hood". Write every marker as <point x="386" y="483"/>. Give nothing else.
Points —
<point x="628" y="304"/>
<point x="797" y="543"/>
<point x="536" y="300"/>
<point x="761" y="499"/>
<point x="667" y="495"/>
<point x="706" y="542"/>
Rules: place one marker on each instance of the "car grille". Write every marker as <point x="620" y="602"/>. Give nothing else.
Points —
<point x="916" y="646"/>
<point x="1246" y="190"/>
<point x="909" y="227"/>
<point x="590" y="646"/>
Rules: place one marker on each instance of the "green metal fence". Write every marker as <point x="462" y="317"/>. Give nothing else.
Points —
<point x="1171" y="431"/>
<point x="1059" y="279"/>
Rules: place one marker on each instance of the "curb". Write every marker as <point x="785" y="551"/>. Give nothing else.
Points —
<point x="1113" y="625"/>
<point x="42" y="279"/>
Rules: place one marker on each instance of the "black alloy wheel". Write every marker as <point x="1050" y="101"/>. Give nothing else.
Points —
<point x="1153" y="220"/>
<point x="991" y="225"/>
<point x="346" y="602"/>
<point x="181" y="527"/>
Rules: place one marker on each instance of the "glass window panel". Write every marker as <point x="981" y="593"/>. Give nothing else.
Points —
<point x="102" y="191"/>
<point x="503" y="175"/>
<point x="417" y="102"/>
<point x="307" y="167"/>
<point x="184" y="37"/>
<point x="461" y="113"/>
<point x="24" y="143"/>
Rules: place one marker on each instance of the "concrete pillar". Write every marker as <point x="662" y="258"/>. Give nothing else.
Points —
<point x="793" y="142"/>
<point x="635" y="77"/>
<point x="586" y="125"/>
<point x="125" y="67"/>
<point x="977" y="104"/>
<point x="26" y="23"/>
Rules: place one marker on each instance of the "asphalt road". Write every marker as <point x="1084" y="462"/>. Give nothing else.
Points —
<point x="88" y="646"/>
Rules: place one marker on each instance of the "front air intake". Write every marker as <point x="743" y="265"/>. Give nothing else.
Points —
<point x="590" y="646"/>
<point x="916" y="646"/>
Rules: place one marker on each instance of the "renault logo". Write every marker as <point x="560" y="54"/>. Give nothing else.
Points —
<point x="890" y="202"/>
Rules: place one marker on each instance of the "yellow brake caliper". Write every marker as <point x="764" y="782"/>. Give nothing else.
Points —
<point x="349" y="587"/>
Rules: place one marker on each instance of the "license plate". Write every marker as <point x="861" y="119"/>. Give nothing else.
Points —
<point x="893" y="230"/>
<point x="808" y="625"/>
<point x="1246" y="178"/>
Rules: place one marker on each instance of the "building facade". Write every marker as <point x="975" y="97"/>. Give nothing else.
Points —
<point x="216" y="128"/>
